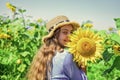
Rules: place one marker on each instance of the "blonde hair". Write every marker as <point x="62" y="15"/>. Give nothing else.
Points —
<point x="40" y="64"/>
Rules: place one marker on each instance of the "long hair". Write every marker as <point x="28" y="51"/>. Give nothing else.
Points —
<point x="39" y="66"/>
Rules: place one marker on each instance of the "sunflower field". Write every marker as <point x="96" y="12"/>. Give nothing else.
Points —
<point x="20" y="38"/>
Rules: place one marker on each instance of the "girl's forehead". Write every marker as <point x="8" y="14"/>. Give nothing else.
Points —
<point x="67" y="27"/>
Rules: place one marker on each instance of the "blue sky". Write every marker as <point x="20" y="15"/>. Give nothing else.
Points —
<point x="100" y="12"/>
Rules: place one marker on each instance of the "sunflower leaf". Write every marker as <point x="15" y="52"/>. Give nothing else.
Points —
<point x="116" y="63"/>
<point x="117" y="22"/>
<point x="115" y="37"/>
<point x="108" y="70"/>
<point x="106" y="55"/>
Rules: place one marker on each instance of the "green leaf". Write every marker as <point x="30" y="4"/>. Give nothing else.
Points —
<point x="24" y="54"/>
<point x="115" y="37"/>
<point x="24" y="10"/>
<point x="117" y="22"/>
<point x="108" y="70"/>
<point x="106" y="55"/>
<point x="32" y="24"/>
<point x="21" y="68"/>
<point x="21" y="10"/>
<point x="118" y="78"/>
<point x="116" y="63"/>
<point x="27" y="61"/>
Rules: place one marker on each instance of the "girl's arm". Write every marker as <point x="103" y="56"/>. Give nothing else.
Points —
<point x="72" y="70"/>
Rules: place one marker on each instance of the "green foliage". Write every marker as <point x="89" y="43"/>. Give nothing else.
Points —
<point x="115" y="37"/>
<point x="107" y="68"/>
<point x="117" y="21"/>
<point x="17" y="51"/>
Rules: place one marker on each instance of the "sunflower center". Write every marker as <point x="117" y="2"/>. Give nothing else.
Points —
<point x="118" y="48"/>
<point x="86" y="47"/>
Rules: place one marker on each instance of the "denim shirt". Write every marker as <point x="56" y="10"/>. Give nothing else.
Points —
<point x="64" y="68"/>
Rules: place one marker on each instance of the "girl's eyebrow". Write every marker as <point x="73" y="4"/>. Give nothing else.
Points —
<point x="65" y="29"/>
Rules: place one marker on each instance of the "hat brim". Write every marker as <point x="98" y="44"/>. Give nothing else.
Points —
<point x="74" y="24"/>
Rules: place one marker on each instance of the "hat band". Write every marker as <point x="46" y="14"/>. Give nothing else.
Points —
<point x="52" y="27"/>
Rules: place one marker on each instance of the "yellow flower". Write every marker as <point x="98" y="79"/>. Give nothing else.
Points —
<point x="85" y="45"/>
<point x="108" y="42"/>
<point x="110" y="29"/>
<point x="19" y="61"/>
<point x="39" y="20"/>
<point x="119" y="32"/>
<point x="2" y="35"/>
<point x="88" y="25"/>
<point x="116" y="49"/>
<point x="11" y="7"/>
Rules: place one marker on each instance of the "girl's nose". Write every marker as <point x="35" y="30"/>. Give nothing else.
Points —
<point x="69" y="33"/>
<point x="68" y="36"/>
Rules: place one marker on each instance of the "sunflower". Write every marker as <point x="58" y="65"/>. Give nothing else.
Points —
<point x="88" y="25"/>
<point x="11" y="7"/>
<point x="111" y="29"/>
<point x="3" y="35"/>
<point x="116" y="49"/>
<point x="85" y="45"/>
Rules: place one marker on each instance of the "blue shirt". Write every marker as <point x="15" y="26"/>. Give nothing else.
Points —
<point x="64" y="68"/>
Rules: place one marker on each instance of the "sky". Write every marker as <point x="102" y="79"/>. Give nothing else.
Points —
<point x="100" y="12"/>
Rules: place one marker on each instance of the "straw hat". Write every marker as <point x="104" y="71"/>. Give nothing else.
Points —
<point x="57" y="22"/>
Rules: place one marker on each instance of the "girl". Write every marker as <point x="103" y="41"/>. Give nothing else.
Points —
<point x="53" y="61"/>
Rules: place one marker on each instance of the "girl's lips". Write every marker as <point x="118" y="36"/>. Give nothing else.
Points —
<point x="66" y="41"/>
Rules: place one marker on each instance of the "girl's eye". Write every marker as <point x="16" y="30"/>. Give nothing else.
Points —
<point x="71" y="32"/>
<point x="65" y="32"/>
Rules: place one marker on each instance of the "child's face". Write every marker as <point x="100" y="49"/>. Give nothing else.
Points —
<point x="63" y="36"/>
